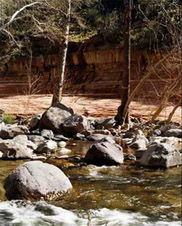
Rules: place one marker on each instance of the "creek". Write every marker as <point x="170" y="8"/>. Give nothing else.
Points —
<point x="112" y="196"/>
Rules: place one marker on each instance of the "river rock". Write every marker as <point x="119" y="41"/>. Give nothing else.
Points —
<point x="107" y="123"/>
<point x="36" y="180"/>
<point x="102" y="131"/>
<point x="47" y="147"/>
<point x="104" y="153"/>
<point x="23" y="139"/>
<point x="129" y="134"/>
<point x="15" y="150"/>
<point x="47" y="133"/>
<point x="79" y="136"/>
<point x="54" y="117"/>
<point x="108" y="139"/>
<point x="96" y="137"/>
<point x="62" y="150"/>
<point x="10" y="131"/>
<point x="176" y="142"/>
<point x="75" y="124"/>
<point x="59" y="137"/>
<point x="36" y="139"/>
<point x="140" y="142"/>
<point x="161" y="155"/>
<point x="173" y="133"/>
<point x="35" y="122"/>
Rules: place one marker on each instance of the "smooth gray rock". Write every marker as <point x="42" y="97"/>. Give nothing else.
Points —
<point x="47" y="147"/>
<point x="14" y="150"/>
<point x="47" y="133"/>
<point x="104" y="153"/>
<point x="36" y="180"/>
<point x="10" y="131"/>
<point x="107" y="123"/>
<point x="173" y="133"/>
<point x="54" y="117"/>
<point x="35" y="122"/>
<point x="75" y="124"/>
<point x="161" y="155"/>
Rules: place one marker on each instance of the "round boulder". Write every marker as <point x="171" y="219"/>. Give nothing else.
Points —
<point x="54" y="117"/>
<point x="35" y="180"/>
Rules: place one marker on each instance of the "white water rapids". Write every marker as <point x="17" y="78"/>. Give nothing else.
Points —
<point x="19" y="213"/>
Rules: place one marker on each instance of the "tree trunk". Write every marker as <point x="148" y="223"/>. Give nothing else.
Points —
<point x="123" y="114"/>
<point x="174" y="109"/>
<point x="58" y="88"/>
<point x="159" y="109"/>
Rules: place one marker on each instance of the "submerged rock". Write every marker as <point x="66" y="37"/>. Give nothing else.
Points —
<point x="161" y="155"/>
<point x="36" y="180"/>
<point x="54" y="117"/>
<point x="104" y="153"/>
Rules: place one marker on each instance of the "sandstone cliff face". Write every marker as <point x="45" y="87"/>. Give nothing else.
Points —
<point x="95" y="71"/>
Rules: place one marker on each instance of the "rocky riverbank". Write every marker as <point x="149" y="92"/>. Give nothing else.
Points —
<point x="156" y="145"/>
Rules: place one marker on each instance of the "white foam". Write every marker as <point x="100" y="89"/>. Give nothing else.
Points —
<point x="41" y="213"/>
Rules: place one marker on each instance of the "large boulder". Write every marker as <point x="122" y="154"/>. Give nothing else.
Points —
<point x="75" y="124"/>
<point x="15" y="150"/>
<point x="161" y="155"/>
<point x="10" y="131"/>
<point x="104" y="153"/>
<point x="36" y="180"/>
<point x="107" y="123"/>
<point x="54" y="117"/>
<point x="173" y="133"/>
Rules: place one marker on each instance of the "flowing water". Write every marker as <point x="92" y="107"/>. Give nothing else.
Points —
<point x="112" y="196"/>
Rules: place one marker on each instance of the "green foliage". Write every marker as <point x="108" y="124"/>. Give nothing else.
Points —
<point x="152" y="24"/>
<point x="8" y="119"/>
